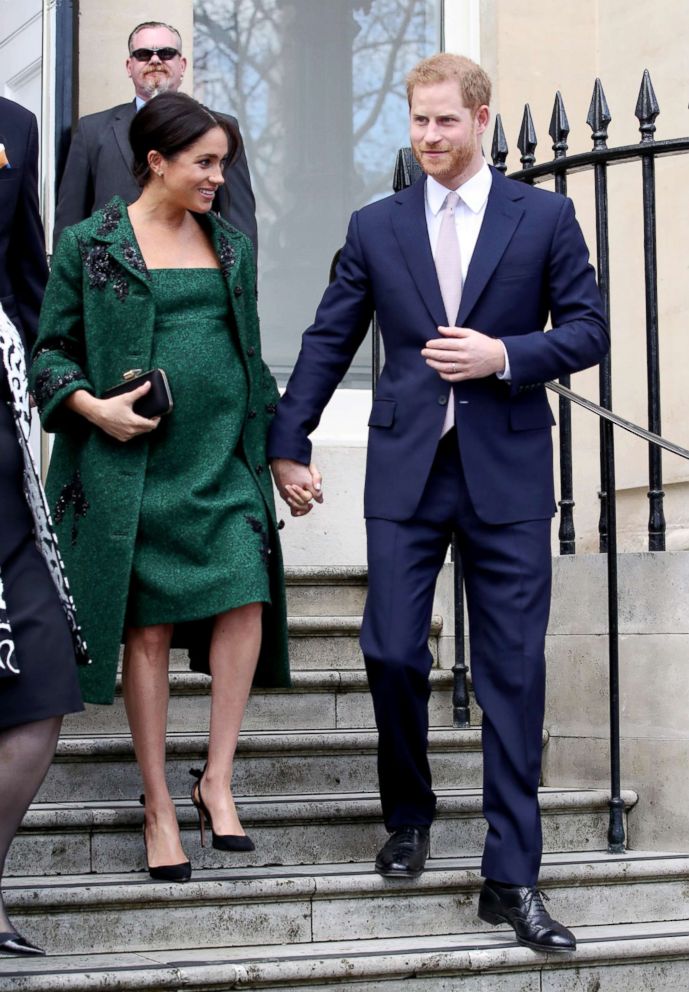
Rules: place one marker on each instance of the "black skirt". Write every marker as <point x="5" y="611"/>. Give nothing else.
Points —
<point x="47" y="685"/>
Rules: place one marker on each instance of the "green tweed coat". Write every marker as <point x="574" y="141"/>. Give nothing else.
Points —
<point x="97" y="322"/>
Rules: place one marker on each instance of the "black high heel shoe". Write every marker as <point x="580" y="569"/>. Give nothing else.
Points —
<point x="14" y="943"/>
<point x="221" y="842"/>
<point x="166" y="873"/>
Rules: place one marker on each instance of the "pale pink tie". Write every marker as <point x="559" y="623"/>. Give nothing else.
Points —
<point x="448" y="265"/>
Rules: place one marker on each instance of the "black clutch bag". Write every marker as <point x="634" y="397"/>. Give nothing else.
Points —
<point x="157" y="401"/>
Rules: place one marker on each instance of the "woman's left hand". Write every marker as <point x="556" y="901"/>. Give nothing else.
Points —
<point x="115" y="416"/>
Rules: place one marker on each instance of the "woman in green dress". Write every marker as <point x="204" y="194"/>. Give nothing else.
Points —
<point x="168" y="520"/>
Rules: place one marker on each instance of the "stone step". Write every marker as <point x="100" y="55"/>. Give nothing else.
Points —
<point x="326" y="591"/>
<point x="317" y="700"/>
<point x="117" y="913"/>
<point x="323" y="642"/>
<point x="289" y="761"/>
<point x="641" y="957"/>
<point x="104" y="837"/>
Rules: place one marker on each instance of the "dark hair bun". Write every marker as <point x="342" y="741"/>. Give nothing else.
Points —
<point x="169" y="123"/>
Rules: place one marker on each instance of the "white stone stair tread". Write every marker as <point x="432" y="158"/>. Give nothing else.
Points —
<point x="303" y="964"/>
<point x="557" y="870"/>
<point x="339" y="624"/>
<point x="325" y="574"/>
<point x="269" y="740"/>
<point x="302" y="679"/>
<point x="317" y="804"/>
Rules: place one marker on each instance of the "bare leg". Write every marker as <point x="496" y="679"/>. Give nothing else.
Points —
<point x="25" y="755"/>
<point x="146" y="689"/>
<point x="234" y="653"/>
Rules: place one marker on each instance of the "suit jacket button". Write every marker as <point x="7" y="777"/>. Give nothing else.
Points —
<point x="251" y="351"/>
<point x="259" y="469"/>
<point x="251" y="414"/>
<point x="442" y="400"/>
<point x="238" y="291"/>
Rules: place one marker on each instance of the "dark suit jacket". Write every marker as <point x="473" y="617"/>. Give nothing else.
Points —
<point x="99" y="166"/>
<point x="530" y="262"/>
<point x="23" y="268"/>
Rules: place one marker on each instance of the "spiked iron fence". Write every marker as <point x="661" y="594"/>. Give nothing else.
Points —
<point x="557" y="170"/>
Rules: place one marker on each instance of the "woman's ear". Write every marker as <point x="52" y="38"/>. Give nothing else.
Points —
<point x="155" y="162"/>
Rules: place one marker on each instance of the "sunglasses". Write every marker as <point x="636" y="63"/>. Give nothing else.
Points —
<point x="146" y="54"/>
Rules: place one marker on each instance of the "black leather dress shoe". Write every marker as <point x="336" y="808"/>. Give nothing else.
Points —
<point x="14" y="943"/>
<point x="404" y="853"/>
<point x="522" y="907"/>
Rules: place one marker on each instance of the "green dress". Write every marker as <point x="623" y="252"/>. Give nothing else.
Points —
<point x="206" y="549"/>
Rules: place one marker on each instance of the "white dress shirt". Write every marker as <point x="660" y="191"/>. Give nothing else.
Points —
<point x="469" y="215"/>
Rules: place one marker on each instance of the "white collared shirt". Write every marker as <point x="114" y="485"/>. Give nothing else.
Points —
<point x="469" y="215"/>
<point x="473" y="196"/>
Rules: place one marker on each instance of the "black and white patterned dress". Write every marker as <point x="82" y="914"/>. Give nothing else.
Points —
<point x="39" y="635"/>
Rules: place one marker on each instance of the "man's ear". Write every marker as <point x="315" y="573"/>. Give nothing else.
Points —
<point x="482" y="117"/>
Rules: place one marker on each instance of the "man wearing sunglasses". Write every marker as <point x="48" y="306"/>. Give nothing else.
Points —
<point x="99" y="163"/>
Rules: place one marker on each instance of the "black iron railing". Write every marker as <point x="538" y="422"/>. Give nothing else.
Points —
<point x="557" y="170"/>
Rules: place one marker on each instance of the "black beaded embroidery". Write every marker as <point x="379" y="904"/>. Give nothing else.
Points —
<point x="133" y="257"/>
<point x="112" y="215"/>
<point x="72" y="492"/>
<point x="258" y="528"/>
<point x="47" y="384"/>
<point x="227" y="255"/>
<point x="101" y="269"/>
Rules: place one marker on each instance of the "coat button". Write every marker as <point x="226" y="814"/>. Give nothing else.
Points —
<point x="251" y="414"/>
<point x="271" y="408"/>
<point x="259" y="469"/>
<point x="281" y="524"/>
<point x="238" y="291"/>
<point x="442" y="400"/>
<point x="251" y="351"/>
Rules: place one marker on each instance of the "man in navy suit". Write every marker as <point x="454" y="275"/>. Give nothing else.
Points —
<point x="459" y="440"/>
<point x="100" y="160"/>
<point x="23" y="267"/>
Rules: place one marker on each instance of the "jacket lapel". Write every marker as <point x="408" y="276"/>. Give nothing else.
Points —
<point x="120" y="127"/>
<point x="500" y="221"/>
<point x="230" y="245"/>
<point x="411" y="231"/>
<point x="115" y="231"/>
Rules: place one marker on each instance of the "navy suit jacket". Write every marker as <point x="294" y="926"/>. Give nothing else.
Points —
<point x="23" y="268"/>
<point x="99" y="166"/>
<point x="530" y="262"/>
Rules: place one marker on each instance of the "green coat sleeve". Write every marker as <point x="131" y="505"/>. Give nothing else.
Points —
<point x="58" y="356"/>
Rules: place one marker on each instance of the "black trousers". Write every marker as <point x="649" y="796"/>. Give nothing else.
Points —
<point x="507" y="571"/>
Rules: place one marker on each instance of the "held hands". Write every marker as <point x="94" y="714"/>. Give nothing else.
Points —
<point x="115" y="415"/>
<point x="299" y="485"/>
<point x="464" y="354"/>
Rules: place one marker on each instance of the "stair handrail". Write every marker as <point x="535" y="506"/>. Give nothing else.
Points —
<point x="614" y="418"/>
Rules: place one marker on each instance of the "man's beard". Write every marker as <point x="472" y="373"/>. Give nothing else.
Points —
<point x="456" y="161"/>
<point x="156" y="83"/>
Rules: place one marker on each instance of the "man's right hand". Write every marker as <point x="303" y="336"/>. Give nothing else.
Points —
<point x="115" y="415"/>
<point x="299" y="485"/>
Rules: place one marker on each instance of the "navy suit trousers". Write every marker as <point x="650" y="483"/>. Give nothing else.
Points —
<point x="507" y="571"/>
